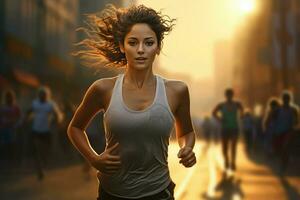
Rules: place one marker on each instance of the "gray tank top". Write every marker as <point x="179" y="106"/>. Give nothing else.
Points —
<point x="144" y="138"/>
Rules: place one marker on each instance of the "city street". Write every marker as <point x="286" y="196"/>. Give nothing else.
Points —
<point x="130" y="72"/>
<point x="253" y="180"/>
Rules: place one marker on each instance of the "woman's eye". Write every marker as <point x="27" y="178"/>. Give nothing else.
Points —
<point x="131" y="43"/>
<point x="149" y="43"/>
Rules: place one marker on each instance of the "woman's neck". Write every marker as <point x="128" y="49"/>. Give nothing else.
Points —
<point x="139" y="78"/>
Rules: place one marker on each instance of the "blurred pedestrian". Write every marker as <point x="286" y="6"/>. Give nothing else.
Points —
<point x="258" y="118"/>
<point x="206" y="128"/>
<point x="270" y="123"/>
<point x="10" y="115"/>
<point x="229" y="113"/>
<point x="44" y="113"/>
<point x="248" y="129"/>
<point x="288" y="119"/>
<point x="140" y="107"/>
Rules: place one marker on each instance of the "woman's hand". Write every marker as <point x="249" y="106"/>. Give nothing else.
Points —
<point x="108" y="162"/>
<point x="187" y="156"/>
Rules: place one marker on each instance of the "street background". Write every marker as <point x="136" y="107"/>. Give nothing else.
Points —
<point x="251" y="46"/>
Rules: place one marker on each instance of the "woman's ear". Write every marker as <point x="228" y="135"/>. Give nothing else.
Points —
<point x="121" y="47"/>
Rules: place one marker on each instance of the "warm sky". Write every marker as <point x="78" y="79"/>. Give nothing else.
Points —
<point x="200" y="23"/>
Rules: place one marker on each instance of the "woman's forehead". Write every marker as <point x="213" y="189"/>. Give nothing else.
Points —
<point x="141" y="31"/>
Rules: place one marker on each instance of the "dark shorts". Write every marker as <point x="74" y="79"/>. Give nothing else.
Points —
<point x="166" y="194"/>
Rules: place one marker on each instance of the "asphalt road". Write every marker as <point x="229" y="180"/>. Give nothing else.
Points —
<point x="255" y="178"/>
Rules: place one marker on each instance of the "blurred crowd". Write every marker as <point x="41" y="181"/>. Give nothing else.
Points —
<point x="35" y="137"/>
<point x="274" y="130"/>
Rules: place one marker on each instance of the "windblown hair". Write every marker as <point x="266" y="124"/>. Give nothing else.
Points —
<point x="107" y="30"/>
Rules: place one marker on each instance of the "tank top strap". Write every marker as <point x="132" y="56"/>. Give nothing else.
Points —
<point x="162" y="95"/>
<point x="161" y="99"/>
<point x="117" y="91"/>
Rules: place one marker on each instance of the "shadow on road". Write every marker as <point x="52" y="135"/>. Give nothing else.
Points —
<point x="272" y="162"/>
<point x="227" y="189"/>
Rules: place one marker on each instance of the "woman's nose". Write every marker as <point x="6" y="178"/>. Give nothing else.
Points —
<point x="140" y="49"/>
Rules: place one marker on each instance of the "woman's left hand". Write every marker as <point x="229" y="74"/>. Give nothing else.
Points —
<point x="187" y="156"/>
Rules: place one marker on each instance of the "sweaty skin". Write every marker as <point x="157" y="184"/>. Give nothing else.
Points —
<point x="140" y="47"/>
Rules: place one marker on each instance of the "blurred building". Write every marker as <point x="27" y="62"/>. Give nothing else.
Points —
<point x="2" y="30"/>
<point x="266" y="52"/>
<point x="37" y="40"/>
<point x="223" y="67"/>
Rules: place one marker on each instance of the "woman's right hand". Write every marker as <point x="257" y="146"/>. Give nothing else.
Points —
<point x="108" y="162"/>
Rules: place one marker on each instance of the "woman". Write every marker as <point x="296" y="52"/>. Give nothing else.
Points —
<point x="140" y="108"/>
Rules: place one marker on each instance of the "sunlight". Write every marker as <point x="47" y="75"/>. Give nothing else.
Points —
<point x="212" y="155"/>
<point x="215" y="163"/>
<point x="246" y="6"/>
<point x="236" y="197"/>
<point x="207" y="23"/>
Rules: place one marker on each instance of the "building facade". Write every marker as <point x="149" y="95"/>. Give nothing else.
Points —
<point x="37" y="36"/>
<point x="37" y="39"/>
<point x="267" y="50"/>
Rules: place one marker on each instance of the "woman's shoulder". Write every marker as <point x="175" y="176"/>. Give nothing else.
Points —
<point x="177" y="86"/>
<point x="104" y="84"/>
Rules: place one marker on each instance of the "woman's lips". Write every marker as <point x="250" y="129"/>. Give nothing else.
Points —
<point x="140" y="60"/>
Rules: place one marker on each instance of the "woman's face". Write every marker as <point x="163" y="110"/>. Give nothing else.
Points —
<point x="140" y="46"/>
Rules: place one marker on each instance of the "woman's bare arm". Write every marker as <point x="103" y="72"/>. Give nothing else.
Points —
<point x="92" y="103"/>
<point x="216" y="111"/>
<point x="184" y="128"/>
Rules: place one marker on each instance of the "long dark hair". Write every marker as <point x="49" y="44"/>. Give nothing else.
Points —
<point x="107" y="29"/>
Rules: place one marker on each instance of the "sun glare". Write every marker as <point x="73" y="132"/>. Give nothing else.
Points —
<point x="207" y="22"/>
<point x="246" y="6"/>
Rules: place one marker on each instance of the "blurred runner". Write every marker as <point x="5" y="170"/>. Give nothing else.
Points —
<point x="229" y="113"/>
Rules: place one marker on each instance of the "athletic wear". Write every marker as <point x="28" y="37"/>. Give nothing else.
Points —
<point x="143" y="138"/>
<point x="230" y="116"/>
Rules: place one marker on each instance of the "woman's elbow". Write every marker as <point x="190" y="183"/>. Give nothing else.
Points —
<point x="71" y="130"/>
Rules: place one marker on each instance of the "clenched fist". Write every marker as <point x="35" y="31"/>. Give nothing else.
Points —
<point x="187" y="156"/>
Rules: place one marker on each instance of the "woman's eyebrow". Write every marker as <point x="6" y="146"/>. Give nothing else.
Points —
<point x="134" y="38"/>
<point x="149" y="38"/>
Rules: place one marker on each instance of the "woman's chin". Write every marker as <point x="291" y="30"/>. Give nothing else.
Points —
<point x="141" y="66"/>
